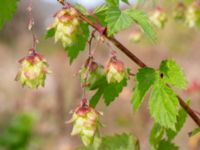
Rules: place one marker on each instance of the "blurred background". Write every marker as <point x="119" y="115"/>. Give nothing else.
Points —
<point x="35" y="119"/>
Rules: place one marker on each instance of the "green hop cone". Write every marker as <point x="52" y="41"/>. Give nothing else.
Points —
<point x="33" y="71"/>
<point x="159" y="17"/>
<point x="66" y="26"/>
<point x="91" y="73"/>
<point x="193" y="15"/>
<point x="115" y="71"/>
<point x="179" y="12"/>
<point x="85" y="121"/>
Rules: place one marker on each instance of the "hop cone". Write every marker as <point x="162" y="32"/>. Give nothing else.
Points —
<point x="115" y="71"/>
<point x="33" y="71"/>
<point x="85" y="123"/>
<point x="66" y="25"/>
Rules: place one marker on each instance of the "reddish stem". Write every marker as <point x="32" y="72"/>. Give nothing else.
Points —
<point x="134" y="58"/>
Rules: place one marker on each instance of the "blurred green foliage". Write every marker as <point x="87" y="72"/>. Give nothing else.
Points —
<point x="17" y="133"/>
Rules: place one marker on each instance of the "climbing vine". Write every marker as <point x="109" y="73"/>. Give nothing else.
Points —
<point x="75" y="27"/>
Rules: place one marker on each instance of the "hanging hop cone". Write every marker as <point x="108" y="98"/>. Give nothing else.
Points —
<point x="179" y="12"/>
<point x="136" y="35"/>
<point x="193" y="15"/>
<point x="33" y="71"/>
<point x="115" y="70"/>
<point x="66" y="26"/>
<point x="91" y="73"/>
<point x="85" y="121"/>
<point x="159" y="17"/>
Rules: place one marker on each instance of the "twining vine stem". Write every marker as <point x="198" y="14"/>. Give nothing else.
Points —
<point x="127" y="52"/>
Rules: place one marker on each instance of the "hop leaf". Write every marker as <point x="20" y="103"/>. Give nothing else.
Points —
<point x="7" y="9"/>
<point x="173" y="74"/>
<point x="167" y="145"/>
<point x="119" y="142"/>
<point x="163" y="105"/>
<point x="117" y="20"/>
<point x="145" y="78"/>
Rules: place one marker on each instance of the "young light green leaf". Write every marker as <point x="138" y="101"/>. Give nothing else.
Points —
<point x="120" y="142"/>
<point x="79" y="42"/>
<point x="156" y="136"/>
<point x="163" y="105"/>
<point x="167" y="145"/>
<point x="100" y="13"/>
<point x="144" y="80"/>
<point x="141" y="18"/>
<point x="81" y="8"/>
<point x="7" y="9"/>
<point x="117" y="20"/>
<point x="114" y="3"/>
<point x="173" y="74"/>
<point x="181" y="118"/>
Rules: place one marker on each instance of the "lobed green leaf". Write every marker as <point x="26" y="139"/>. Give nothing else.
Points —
<point x="163" y="105"/>
<point x="141" y="18"/>
<point x="156" y="136"/>
<point x="145" y="78"/>
<point x="173" y="74"/>
<point x="181" y="118"/>
<point x="119" y="142"/>
<point x="117" y="20"/>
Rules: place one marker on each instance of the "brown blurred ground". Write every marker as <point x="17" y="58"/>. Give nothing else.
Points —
<point x="62" y="91"/>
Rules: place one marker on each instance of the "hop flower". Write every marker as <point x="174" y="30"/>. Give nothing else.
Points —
<point x="115" y="70"/>
<point x="85" y="121"/>
<point x="179" y="11"/>
<point x="193" y="15"/>
<point x="66" y="25"/>
<point x="159" y="17"/>
<point x="136" y="35"/>
<point x="91" y="73"/>
<point x="33" y="70"/>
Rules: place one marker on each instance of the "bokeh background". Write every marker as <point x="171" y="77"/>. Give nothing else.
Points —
<point x="36" y="118"/>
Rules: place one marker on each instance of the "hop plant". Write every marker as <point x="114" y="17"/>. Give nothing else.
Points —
<point x="115" y="70"/>
<point x="179" y="12"/>
<point x="91" y="73"/>
<point x="85" y="121"/>
<point x="66" y="26"/>
<point x="193" y="15"/>
<point x="158" y="17"/>
<point x="33" y="71"/>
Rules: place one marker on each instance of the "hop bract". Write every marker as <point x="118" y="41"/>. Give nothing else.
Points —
<point x="159" y="17"/>
<point x="193" y="15"/>
<point x="33" y="71"/>
<point x="115" y="70"/>
<point x="66" y="25"/>
<point x="91" y="73"/>
<point x="85" y="121"/>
